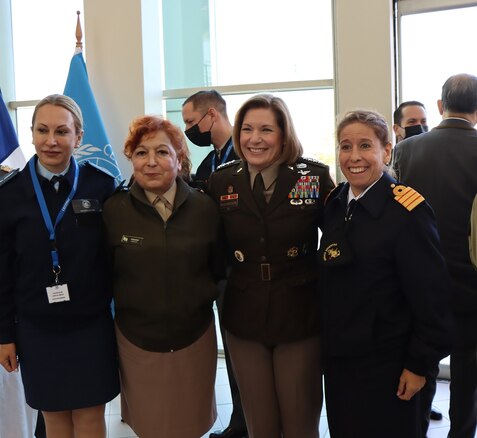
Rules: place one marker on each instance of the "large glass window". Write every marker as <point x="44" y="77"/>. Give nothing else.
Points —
<point x="429" y="54"/>
<point x="43" y="44"/>
<point x="248" y="46"/>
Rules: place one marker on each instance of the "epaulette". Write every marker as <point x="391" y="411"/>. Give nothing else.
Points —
<point x="406" y="196"/>
<point x="7" y="175"/>
<point x="5" y="168"/>
<point x="313" y="161"/>
<point x="96" y="167"/>
<point x="333" y="193"/>
<point x="227" y="164"/>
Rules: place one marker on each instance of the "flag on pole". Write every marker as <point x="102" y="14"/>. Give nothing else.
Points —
<point x="96" y="147"/>
<point x="8" y="136"/>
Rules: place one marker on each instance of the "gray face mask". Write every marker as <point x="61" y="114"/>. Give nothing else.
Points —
<point x="415" y="130"/>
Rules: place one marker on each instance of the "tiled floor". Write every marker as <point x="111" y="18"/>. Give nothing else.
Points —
<point x="116" y="429"/>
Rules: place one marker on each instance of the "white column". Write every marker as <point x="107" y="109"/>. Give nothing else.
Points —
<point x="123" y="61"/>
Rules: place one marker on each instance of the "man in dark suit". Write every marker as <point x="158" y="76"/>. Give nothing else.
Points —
<point x="442" y="166"/>
<point x="206" y="122"/>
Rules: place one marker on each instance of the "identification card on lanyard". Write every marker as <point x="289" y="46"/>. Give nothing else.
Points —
<point x="57" y="292"/>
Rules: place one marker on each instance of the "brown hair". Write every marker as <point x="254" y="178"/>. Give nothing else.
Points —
<point x="369" y="118"/>
<point x="145" y="126"/>
<point x="292" y="148"/>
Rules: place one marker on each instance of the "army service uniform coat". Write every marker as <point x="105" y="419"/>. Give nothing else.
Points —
<point x="271" y="290"/>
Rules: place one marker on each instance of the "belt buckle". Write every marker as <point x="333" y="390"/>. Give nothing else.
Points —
<point x="265" y="271"/>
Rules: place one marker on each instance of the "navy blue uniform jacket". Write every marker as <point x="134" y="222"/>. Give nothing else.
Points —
<point x="391" y="294"/>
<point x="25" y="260"/>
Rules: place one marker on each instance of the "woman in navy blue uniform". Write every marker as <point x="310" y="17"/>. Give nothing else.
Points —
<point x="271" y="203"/>
<point x="385" y="307"/>
<point x="55" y="317"/>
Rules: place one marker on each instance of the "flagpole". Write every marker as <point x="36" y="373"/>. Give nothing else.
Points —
<point x="79" y="33"/>
<point x="95" y="148"/>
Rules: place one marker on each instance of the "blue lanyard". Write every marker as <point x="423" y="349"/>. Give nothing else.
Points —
<point x="224" y="159"/>
<point x="46" y="215"/>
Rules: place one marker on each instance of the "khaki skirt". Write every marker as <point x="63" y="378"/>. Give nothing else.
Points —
<point x="169" y="394"/>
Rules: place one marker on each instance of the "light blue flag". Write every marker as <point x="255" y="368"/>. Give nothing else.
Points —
<point x="8" y="136"/>
<point x="95" y="147"/>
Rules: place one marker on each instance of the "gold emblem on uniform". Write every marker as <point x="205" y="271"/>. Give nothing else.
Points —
<point x="407" y="196"/>
<point x="332" y="251"/>
<point x="292" y="252"/>
<point x="239" y="255"/>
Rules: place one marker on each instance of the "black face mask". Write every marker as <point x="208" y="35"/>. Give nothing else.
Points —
<point x="197" y="137"/>
<point x="415" y="130"/>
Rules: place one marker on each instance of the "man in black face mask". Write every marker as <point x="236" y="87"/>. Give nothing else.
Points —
<point x="206" y="123"/>
<point x="410" y="119"/>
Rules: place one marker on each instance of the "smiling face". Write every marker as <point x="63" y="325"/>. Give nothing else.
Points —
<point x="155" y="163"/>
<point x="261" y="139"/>
<point x="54" y="137"/>
<point x="362" y="156"/>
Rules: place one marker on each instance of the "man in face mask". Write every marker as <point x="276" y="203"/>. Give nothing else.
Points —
<point x="206" y="123"/>
<point x="410" y="119"/>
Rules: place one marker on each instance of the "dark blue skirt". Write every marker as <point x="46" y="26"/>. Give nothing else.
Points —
<point x="70" y="366"/>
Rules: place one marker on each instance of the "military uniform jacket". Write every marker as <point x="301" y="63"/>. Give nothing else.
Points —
<point x="25" y="260"/>
<point x="165" y="274"/>
<point x="386" y="290"/>
<point x="271" y="294"/>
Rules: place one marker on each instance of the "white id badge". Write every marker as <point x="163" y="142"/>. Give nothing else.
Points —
<point x="58" y="293"/>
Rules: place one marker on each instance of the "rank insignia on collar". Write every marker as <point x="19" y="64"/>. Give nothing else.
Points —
<point x="332" y="251"/>
<point x="407" y="196"/>
<point x="301" y="165"/>
<point x="307" y="186"/>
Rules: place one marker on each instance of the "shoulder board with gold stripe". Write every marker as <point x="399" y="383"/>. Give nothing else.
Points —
<point x="406" y="196"/>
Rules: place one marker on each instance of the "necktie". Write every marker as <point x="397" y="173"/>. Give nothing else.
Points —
<point x="258" y="191"/>
<point x="163" y="206"/>
<point x="349" y="210"/>
<point x="55" y="182"/>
